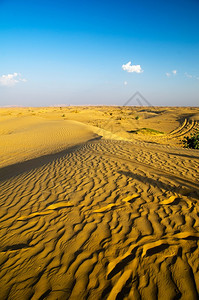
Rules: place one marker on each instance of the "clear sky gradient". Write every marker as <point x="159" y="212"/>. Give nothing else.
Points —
<point x="72" y="52"/>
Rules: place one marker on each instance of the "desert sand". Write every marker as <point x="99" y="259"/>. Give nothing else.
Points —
<point x="98" y="203"/>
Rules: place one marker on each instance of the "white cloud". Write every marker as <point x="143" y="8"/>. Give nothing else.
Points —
<point x="125" y="82"/>
<point x="132" y="68"/>
<point x="191" y="76"/>
<point x="11" y="79"/>
<point x="174" y="72"/>
<point x="188" y="75"/>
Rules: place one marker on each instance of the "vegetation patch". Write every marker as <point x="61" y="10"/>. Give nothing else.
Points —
<point x="147" y="131"/>
<point x="191" y="141"/>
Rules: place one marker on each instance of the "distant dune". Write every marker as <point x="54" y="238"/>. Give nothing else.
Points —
<point x="98" y="203"/>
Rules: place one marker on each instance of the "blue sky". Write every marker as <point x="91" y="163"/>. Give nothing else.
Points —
<point x="72" y="52"/>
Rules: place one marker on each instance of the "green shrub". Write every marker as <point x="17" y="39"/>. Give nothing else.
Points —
<point x="191" y="141"/>
<point x="137" y="117"/>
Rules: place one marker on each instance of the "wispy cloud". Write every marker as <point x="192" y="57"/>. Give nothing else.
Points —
<point x="125" y="82"/>
<point x="11" y="79"/>
<point x="191" y="76"/>
<point x="132" y="68"/>
<point x="174" y="72"/>
<point x="188" y="75"/>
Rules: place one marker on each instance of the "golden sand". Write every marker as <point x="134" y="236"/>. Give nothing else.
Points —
<point x="98" y="203"/>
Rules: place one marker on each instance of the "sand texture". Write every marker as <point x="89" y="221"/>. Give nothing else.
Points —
<point x="97" y="207"/>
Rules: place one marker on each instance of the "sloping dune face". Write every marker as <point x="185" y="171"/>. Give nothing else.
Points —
<point x="28" y="137"/>
<point x="107" y="219"/>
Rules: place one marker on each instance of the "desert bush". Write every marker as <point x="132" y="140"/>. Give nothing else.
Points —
<point x="137" y="117"/>
<point x="191" y="141"/>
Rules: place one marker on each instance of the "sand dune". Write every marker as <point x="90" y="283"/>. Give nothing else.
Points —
<point x="109" y="218"/>
<point x="26" y="137"/>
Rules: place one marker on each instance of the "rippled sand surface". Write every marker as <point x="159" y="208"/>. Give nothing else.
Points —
<point x="93" y="210"/>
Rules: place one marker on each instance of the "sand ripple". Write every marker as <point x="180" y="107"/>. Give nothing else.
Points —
<point x="108" y="220"/>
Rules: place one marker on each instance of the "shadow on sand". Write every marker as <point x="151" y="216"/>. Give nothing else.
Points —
<point x="26" y="166"/>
